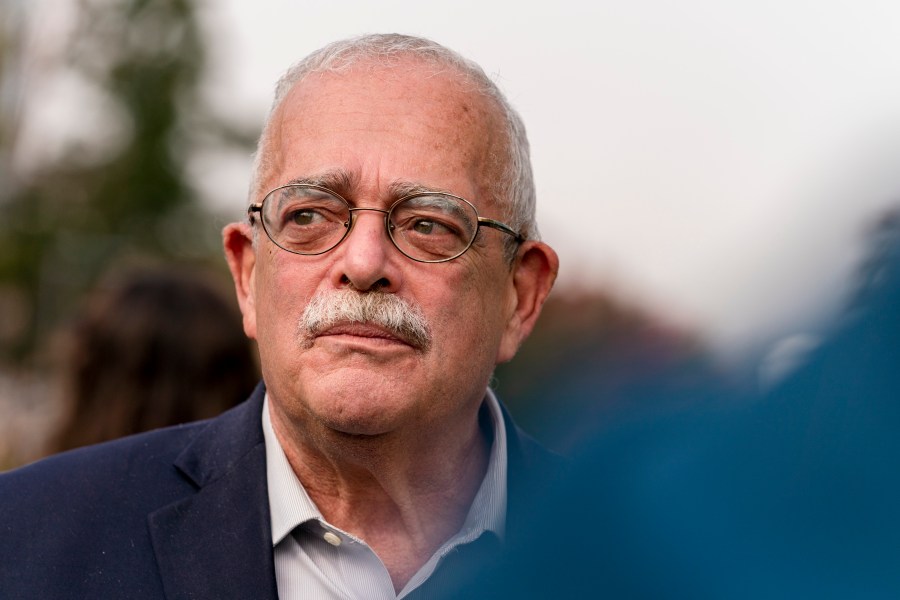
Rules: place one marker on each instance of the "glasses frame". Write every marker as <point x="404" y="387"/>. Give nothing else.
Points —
<point x="348" y="225"/>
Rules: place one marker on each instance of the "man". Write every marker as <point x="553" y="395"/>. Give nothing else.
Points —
<point x="390" y="261"/>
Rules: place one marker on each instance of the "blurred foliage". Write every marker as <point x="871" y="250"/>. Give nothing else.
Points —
<point x="593" y="358"/>
<point x="595" y="363"/>
<point x="125" y="191"/>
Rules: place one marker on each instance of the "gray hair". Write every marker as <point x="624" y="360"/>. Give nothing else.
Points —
<point x="513" y="192"/>
<point x="344" y="306"/>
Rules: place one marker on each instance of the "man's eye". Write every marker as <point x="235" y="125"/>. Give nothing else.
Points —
<point x="424" y="227"/>
<point x="429" y="227"/>
<point x="304" y="217"/>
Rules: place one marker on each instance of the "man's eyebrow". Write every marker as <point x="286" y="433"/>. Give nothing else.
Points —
<point x="399" y="189"/>
<point x="337" y="180"/>
<point x="343" y="182"/>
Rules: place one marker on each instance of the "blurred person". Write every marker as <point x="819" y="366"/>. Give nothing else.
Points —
<point x="152" y="348"/>
<point x="789" y="494"/>
<point x="389" y="262"/>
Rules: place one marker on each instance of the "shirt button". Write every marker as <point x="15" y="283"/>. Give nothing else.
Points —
<point x="332" y="538"/>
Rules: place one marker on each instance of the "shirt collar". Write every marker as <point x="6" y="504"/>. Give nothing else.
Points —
<point x="290" y="505"/>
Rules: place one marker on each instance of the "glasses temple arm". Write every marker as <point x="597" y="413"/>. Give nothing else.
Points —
<point x="501" y="227"/>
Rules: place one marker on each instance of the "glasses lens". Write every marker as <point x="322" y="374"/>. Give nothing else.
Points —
<point x="433" y="227"/>
<point x="304" y="219"/>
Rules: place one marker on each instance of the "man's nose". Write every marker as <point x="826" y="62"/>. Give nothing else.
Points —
<point x="368" y="258"/>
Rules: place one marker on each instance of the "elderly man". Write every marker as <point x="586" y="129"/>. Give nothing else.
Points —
<point x="389" y="262"/>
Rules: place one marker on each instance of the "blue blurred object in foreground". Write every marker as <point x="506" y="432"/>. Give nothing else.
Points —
<point x="793" y="494"/>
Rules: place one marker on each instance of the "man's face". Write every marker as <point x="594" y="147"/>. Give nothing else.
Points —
<point x="366" y="134"/>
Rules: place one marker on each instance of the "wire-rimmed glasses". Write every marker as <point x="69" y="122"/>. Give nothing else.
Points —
<point x="427" y="227"/>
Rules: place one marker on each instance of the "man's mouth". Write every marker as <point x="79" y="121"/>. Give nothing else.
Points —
<point x="363" y="330"/>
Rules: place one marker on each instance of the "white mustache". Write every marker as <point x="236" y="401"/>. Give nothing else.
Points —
<point x="329" y="308"/>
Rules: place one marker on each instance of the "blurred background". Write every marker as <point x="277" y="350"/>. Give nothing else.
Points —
<point x="710" y="173"/>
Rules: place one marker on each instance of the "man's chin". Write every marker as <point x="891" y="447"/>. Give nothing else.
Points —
<point x="362" y="426"/>
<point x="362" y="409"/>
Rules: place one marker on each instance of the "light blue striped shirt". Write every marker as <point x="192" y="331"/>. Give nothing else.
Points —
<point x="316" y="561"/>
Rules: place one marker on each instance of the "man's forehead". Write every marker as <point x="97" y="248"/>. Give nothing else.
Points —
<point x="349" y="105"/>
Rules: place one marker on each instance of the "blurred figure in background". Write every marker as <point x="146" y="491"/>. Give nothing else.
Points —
<point x="153" y="347"/>
<point x="791" y="493"/>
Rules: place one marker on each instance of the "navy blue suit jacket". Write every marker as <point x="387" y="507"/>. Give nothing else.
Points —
<point x="181" y="512"/>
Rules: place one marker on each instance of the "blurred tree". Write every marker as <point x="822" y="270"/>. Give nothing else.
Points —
<point x="122" y="188"/>
<point x="594" y="359"/>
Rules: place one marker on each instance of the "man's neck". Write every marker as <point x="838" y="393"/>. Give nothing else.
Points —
<point x="404" y="495"/>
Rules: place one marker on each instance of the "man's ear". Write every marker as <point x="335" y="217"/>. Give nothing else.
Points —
<point x="533" y="275"/>
<point x="237" y="238"/>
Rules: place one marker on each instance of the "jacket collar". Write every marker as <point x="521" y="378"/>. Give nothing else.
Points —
<point x="217" y="543"/>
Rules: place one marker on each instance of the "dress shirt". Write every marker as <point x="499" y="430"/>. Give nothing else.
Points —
<point x="316" y="560"/>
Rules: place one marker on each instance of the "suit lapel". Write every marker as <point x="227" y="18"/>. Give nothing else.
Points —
<point x="217" y="542"/>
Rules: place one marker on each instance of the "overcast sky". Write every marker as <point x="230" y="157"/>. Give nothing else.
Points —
<point x="714" y="160"/>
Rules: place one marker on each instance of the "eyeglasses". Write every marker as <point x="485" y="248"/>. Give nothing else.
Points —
<point x="428" y="227"/>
